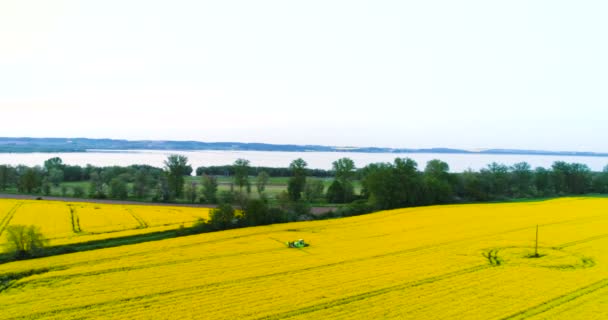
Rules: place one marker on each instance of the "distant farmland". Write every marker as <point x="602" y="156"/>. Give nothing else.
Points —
<point x="439" y="262"/>
<point x="74" y="222"/>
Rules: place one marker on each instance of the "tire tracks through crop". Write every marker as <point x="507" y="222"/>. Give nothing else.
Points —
<point x="75" y="220"/>
<point x="322" y="266"/>
<point x="8" y="279"/>
<point x="336" y="302"/>
<point x="577" y="242"/>
<point x="373" y="293"/>
<point x="147" y="252"/>
<point x="287" y="228"/>
<point x="346" y="300"/>
<point x="266" y="232"/>
<point x="142" y="223"/>
<point x="51" y="279"/>
<point x="359" y="259"/>
<point x="563" y="299"/>
<point x="8" y="217"/>
<point x="560" y="300"/>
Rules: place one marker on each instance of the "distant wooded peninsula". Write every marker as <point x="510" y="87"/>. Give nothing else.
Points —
<point x="27" y="145"/>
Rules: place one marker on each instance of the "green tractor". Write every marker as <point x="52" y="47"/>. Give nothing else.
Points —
<point x="298" y="244"/>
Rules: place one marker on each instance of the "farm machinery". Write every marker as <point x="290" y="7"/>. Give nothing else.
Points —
<point x="297" y="244"/>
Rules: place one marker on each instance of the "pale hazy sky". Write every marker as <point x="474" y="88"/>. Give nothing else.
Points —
<point x="462" y="74"/>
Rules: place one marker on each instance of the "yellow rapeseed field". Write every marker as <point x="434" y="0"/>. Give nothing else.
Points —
<point x="71" y="222"/>
<point x="53" y="218"/>
<point x="164" y="216"/>
<point x="439" y="262"/>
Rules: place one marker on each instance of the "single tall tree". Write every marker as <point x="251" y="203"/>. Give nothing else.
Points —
<point x="344" y="170"/>
<point x="210" y="188"/>
<point x="192" y="192"/>
<point x="522" y="179"/>
<point x="241" y="174"/>
<point x="261" y="181"/>
<point x="30" y="180"/>
<point x="437" y="186"/>
<point x="7" y="174"/>
<point x="53" y="163"/>
<point x="141" y="183"/>
<point x="297" y="182"/>
<point x="176" y="167"/>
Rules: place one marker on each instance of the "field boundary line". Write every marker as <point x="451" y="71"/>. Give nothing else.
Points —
<point x="141" y="222"/>
<point x="9" y="216"/>
<point x="560" y="300"/>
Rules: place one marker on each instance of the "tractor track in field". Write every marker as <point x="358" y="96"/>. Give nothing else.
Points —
<point x="373" y="293"/>
<point x="75" y="220"/>
<point x="88" y="262"/>
<point x="353" y="298"/>
<point x="577" y="242"/>
<point x="376" y="256"/>
<point x="328" y="265"/>
<point x="51" y="279"/>
<point x="142" y="224"/>
<point x="565" y="298"/>
<point x="342" y="301"/>
<point x="7" y="280"/>
<point x="560" y="300"/>
<point x="315" y="267"/>
<point x="8" y="217"/>
<point x="287" y="229"/>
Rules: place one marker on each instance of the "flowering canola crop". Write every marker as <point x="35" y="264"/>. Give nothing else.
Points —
<point x="440" y="262"/>
<point x="65" y="222"/>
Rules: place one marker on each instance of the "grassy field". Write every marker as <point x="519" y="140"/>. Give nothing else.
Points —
<point x="275" y="186"/>
<point x="439" y="262"/>
<point x="65" y="222"/>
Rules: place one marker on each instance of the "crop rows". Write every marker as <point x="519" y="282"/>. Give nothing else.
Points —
<point x="64" y="223"/>
<point x="411" y="263"/>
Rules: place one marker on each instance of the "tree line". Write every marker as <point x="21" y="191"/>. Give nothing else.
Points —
<point x="375" y="186"/>
<point x="104" y="182"/>
<point x="401" y="184"/>
<point x="229" y="170"/>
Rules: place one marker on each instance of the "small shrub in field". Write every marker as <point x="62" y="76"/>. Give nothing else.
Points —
<point x="25" y="241"/>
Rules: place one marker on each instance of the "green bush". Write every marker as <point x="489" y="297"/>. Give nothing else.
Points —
<point x="25" y="241"/>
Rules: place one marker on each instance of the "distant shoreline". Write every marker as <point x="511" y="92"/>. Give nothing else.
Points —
<point x="84" y="145"/>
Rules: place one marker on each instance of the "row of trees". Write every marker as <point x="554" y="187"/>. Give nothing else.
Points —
<point x="161" y="184"/>
<point x="384" y="185"/>
<point x="103" y="182"/>
<point x="401" y="184"/>
<point x="229" y="170"/>
<point x="291" y="205"/>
